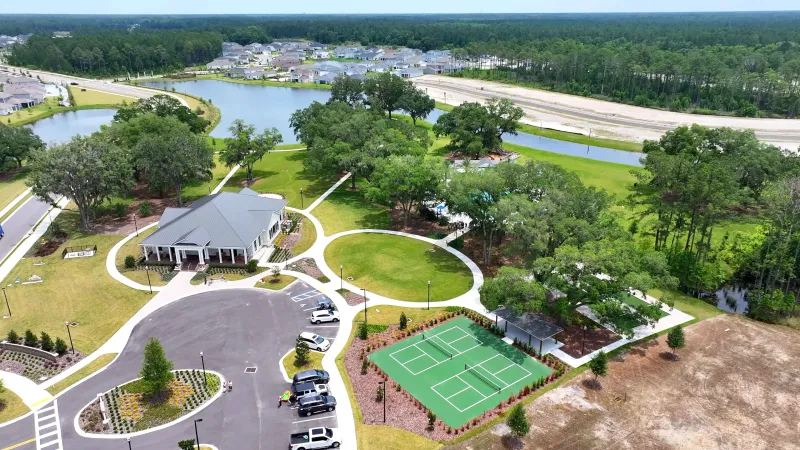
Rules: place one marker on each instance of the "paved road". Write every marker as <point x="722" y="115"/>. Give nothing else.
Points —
<point x="235" y="329"/>
<point x="585" y="114"/>
<point x="20" y="223"/>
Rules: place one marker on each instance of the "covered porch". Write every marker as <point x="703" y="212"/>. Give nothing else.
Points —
<point x="201" y="255"/>
<point x="530" y="328"/>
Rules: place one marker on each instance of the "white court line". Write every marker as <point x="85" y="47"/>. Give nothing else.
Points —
<point x="468" y="387"/>
<point x="505" y="368"/>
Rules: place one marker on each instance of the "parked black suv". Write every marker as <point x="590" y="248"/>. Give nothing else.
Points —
<point x="311" y="376"/>
<point x="316" y="404"/>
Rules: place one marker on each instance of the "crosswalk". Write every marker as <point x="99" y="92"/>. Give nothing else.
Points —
<point x="48" y="427"/>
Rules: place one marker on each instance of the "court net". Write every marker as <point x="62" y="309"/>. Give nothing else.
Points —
<point x="437" y="346"/>
<point x="482" y="378"/>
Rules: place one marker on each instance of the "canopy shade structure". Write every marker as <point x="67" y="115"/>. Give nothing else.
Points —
<point x="532" y="324"/>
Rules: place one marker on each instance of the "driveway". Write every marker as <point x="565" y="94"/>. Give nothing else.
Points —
<point x="236" y="329"/>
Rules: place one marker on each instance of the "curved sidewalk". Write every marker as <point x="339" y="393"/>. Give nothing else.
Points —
<point x="111" y="263"/>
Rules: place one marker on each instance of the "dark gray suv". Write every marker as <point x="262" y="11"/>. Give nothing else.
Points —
<point x="311" y="376"/>
<point x="316" y="404"/>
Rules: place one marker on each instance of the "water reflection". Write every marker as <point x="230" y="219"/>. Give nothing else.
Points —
<point x="732" y="299"/>
<point x="63" y="126"/>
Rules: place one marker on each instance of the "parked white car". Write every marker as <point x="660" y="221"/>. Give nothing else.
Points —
<point x="315" y="342"/>
<point x="324" y="315"/>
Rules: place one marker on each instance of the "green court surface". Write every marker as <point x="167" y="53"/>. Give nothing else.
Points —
<point x="458" y="370"/>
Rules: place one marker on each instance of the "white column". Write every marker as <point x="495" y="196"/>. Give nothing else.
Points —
<point x="158" y="253"/>
<point x="233" y="256"/>
<point x="219" y="253"/>
<point x="178" y="256"/>
<point x="200" y="254"/>
<point x="170" y="253"/>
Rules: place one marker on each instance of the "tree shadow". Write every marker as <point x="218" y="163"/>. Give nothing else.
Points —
<point x="592" y="384"/>
<point x="669" y="356"/>
<point x="512" y="442"/>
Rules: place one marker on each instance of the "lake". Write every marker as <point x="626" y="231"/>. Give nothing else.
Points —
<point x="62" y="126"/>
<point x="270" y="106"/>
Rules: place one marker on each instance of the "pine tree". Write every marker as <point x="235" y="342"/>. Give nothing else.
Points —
<point x="403" y="321"/>
<point x="61" y="346"/>
<point x="599" y="365"/>
<point x="301" y="351"/>
<point x="517" y="421"/>
<point x="47" y="342"/>
<point x="156" y="368"/>
<point x="676" y="339"/>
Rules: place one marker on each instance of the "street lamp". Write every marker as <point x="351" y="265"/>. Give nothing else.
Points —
<point x="7" y="307"/>
<point x="203" y="362"/>
<point x="196" y="436"/>
<point x="70" y="338"/>
<point x="302" y="202"/>
<point x="429" y="295"/>
<point x="147" y="271"/>
<point x="384" y="399"/>
<point x="341" y="277"/>
<point x="365" y="306"/>
<point x="129" y="444"/>
<point x="135" y="224"/>
<point x="583" y="343"/>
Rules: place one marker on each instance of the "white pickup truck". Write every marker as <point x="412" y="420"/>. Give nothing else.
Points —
<point x="314" y="438"/>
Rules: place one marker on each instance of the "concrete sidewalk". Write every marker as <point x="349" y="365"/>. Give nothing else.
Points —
<point x="33" y="395"/>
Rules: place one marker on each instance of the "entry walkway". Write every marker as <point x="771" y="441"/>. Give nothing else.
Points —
<point x="33" y="395"/>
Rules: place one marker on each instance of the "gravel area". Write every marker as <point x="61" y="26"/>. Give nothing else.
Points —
<point x="308" y="266"/>
<point x="353" y="299"/>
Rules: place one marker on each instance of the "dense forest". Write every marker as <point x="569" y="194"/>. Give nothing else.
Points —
<point x="746" y="64"/>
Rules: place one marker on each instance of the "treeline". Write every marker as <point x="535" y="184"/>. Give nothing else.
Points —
<point x="738" y="80"/>
<point x="113" y="52"/>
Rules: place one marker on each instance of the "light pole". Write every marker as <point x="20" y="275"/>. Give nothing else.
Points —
<point x="384" y="399"/>
<point x="70" y="338"/>
<point x="341" y="277"/>
<point x="429" y="295"/>
<point x="129" y="444"/>
<point x="7" y="307"/>
<point x="203" y="362"/>
<point x="135" y="224"/>
<point x="196" y="436"/>
<point x="147" y="271"/>
<point x="302" y="202"/>
<point x="583" y="343"/>
<point x="365" y="306"/>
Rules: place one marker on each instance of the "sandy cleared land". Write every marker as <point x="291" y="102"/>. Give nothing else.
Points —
<point x="735" y="386"/>
<point x="599" y="118"/>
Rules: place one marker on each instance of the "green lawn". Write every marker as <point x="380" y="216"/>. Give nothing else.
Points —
<point x="92" y="367"/>
<point x="93" y="97"/>
<point x="14" y="406"/>
<point x="271" y="284"/>
<point x="221" y="77"/>
<point x="695" y="307"/>
<point x="79" y="290"/>
<point x="132" y="248"/>
<point x="399" y="267"/>
<point x="12" y="185"/>
<point x="197" y="190"/>
<point x="346" y="210"/>
<point x="438" y="379"/>
<point x="630" y="300"/>
<point x="307" y="239"/>
<point x="283" y="173"/>
<point x="314" y="362"/>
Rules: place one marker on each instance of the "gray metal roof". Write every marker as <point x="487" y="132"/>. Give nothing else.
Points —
<point x="223" y="220"/>
<point x="531" y="323"/>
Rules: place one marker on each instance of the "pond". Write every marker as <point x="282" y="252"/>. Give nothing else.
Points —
<point x="270" y="106"/>
<point x="62" y="126"/>
<point x="732" y="299"/>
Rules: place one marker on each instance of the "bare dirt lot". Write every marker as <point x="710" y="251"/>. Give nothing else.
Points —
<point x="735" y="386"/>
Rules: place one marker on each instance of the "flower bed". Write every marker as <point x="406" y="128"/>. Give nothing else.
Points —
<point x="407" y="412"/>
<point x="129" y="409"/>
<point x="307" y="266"/>
<point x="34" y="367"/>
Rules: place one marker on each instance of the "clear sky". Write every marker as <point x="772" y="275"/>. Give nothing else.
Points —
<point x="384" y="6"/>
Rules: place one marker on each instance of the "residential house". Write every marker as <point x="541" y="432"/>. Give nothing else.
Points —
<point x="294" y="54"/>
<point x="321" y="54"/>
<point x="224" y="228"/>
<point x="314" y="46"/>
<point x="254" y="48"/>
<point x="348" y="52"/>
<point x="220" y="64"/>
<point x="325" y="79"/>
<point x="409" y="73"/>
<point x="371" y="55"/>
<point x="285" y="62"/>
<point x="61" y="34"/>
<point x="229" y="48"/>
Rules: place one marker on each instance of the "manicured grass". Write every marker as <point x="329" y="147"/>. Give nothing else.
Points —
<point x="440" y="382"/>
<point x="34" y="113"/>
<point x="346" y="210"/>
<point x="307" y="239"/>
<point x="399" y="267"/>
<point x="198" y="190"/>
<point x="12" y="185"/>
<point x="79" y="290"/>
<point x="695" y="307"/>
<point x="14" y="406"/>
<point x="314" y="362"/>
<point x="132" y="248"/>
<point x="390" y="315"/>
<point x="283" y="173"/>
<point x="92" y="367"/>
<point x="380" y="437"/>
<point x="633" y="301"/>
<point x="269" y="282"/>
<point x="93" y="97"/>
<point x="234" y="80"/>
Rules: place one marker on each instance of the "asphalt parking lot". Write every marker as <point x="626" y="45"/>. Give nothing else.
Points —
<point x="235" y="329"/>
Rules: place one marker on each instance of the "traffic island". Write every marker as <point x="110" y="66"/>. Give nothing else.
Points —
<point x="128" y="408"/>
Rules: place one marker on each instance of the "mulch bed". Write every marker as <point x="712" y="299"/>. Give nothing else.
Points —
<point x="50" y="246"/>
<point x="416" y="224"/>
<point x="353" y="299"/>
<point x="596" y="338"/>
<point x="307" y="266"/>
<point x="37" y="367"/>
<point x="473" y="249"/>
<point x="110" y="223"/>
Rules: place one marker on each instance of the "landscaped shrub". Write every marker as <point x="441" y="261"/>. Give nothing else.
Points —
<point x="457" y="243"/>
<point x="187" y="444"/>
<point x="145" y="208"/>
<point x="12" y="337"/>
<point x="301" y="351"/>
<point x="431" y="419"/>
<point x="47" y="342"/>
<point x="379" y="393"/>
<point x="403" y="321"/>
<point x="364" y="366"/>
<point x="362" y="331"/>
<point x="120" y="209"/>
<point x="30" y="339"/>
<point x="252" y="266"/>
<point x="130" y="262"/>
<point x="61" y="346"/>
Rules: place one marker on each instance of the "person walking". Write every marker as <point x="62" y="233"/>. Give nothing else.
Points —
<point x="230" y="386"/>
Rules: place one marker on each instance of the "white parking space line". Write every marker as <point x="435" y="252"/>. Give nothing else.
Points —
<point x="315" y="418"/>
<point x="322" y="326"/>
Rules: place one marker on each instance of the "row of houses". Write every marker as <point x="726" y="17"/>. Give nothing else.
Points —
<point x="19" y="93"/>
<point x="276" y="54"/>
<point x="325" y="72"/>
<point x="7" y="41"/>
